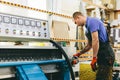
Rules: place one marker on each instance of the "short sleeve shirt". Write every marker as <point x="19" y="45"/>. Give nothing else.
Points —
<point x="94" y="24"/>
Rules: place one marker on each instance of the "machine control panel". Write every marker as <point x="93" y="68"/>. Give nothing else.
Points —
<point x="23" y="27"/>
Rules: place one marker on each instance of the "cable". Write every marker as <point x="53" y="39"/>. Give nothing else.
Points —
<point x="66" y="58"/>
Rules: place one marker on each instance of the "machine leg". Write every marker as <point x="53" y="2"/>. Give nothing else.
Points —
<point x="65" y="73"/>
<point x="30" y="72"/>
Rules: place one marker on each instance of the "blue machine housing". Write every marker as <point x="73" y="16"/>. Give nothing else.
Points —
<point x="31" y="69"/>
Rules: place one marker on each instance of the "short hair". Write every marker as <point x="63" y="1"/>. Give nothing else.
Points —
<point x="75" y="14"/>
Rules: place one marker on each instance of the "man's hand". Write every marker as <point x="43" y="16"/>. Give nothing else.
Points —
<point x="75" y="60"/>
<point x="76" y="55"/>
<point x="93" y="64"/>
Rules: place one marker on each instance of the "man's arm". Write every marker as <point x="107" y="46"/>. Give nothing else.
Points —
<point x="95" y="46"/>
<point x="87" y="48"/>
<point x="95" y="43"/>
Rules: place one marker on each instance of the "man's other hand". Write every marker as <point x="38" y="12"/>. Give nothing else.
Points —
<point x="93" y="64"/>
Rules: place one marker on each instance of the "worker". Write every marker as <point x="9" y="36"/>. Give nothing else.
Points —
<point x="103" y="55"/>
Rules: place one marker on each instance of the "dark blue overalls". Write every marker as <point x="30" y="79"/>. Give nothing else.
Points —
<point x="105" y="59"/>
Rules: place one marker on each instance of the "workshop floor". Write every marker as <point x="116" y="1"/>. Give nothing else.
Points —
<point x="86" y="73"/>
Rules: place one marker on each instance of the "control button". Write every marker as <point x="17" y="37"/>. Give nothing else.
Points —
<point x="44" y="28"/>
<point x="33" y="33"/>
<point x="6" y="19"/>
<point x="38" y="24"/>
<point x="6" y="31"/>
<point x="33" y="23"/>
<point x="13" y="20"/>
<point x="21" y="32"/>
<point x="14" y="31"/>
<point x="44" y="23"/>
<point x="45" y="35"/>
<point x="27" y="22"/>
<point x="39" y="34"/>
<point x="20" y="21"/>
<point x="27" y="33"/>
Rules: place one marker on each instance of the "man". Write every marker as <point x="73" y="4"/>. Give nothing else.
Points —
<point x="98" y="40"/>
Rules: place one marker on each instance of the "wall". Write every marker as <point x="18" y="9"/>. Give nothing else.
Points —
<point x="67" y="7"/>
<point x="40" y="4"/>
<point x="117" y="4"/>
<point x="14" y="10"/>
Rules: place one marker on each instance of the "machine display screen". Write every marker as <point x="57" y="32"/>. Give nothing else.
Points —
<point x="6" y="19"/>
<point x="20" y="21"/>
<point x="33" y="23"/>
<point x="27" y="22"/>
<point x="38" y="24"/>
<point x="14" y="20"/>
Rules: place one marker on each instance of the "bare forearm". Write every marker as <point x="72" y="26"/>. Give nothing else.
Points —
<point x="87" y="48"/>
<point x="95" y="43"/>
<point x="95" y="46"/>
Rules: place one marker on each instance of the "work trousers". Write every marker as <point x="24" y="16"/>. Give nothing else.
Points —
<point x="105" y="62"/>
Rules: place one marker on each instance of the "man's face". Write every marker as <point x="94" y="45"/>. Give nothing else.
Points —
<point x="78" y="21"/>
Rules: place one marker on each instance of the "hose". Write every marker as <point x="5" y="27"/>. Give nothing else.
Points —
<point x="66" y="58"/>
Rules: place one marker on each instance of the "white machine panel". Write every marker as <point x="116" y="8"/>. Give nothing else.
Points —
<point x="19" y="27"/>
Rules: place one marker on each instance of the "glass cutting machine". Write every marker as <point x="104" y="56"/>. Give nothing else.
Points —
<point x="23" y="62"/>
